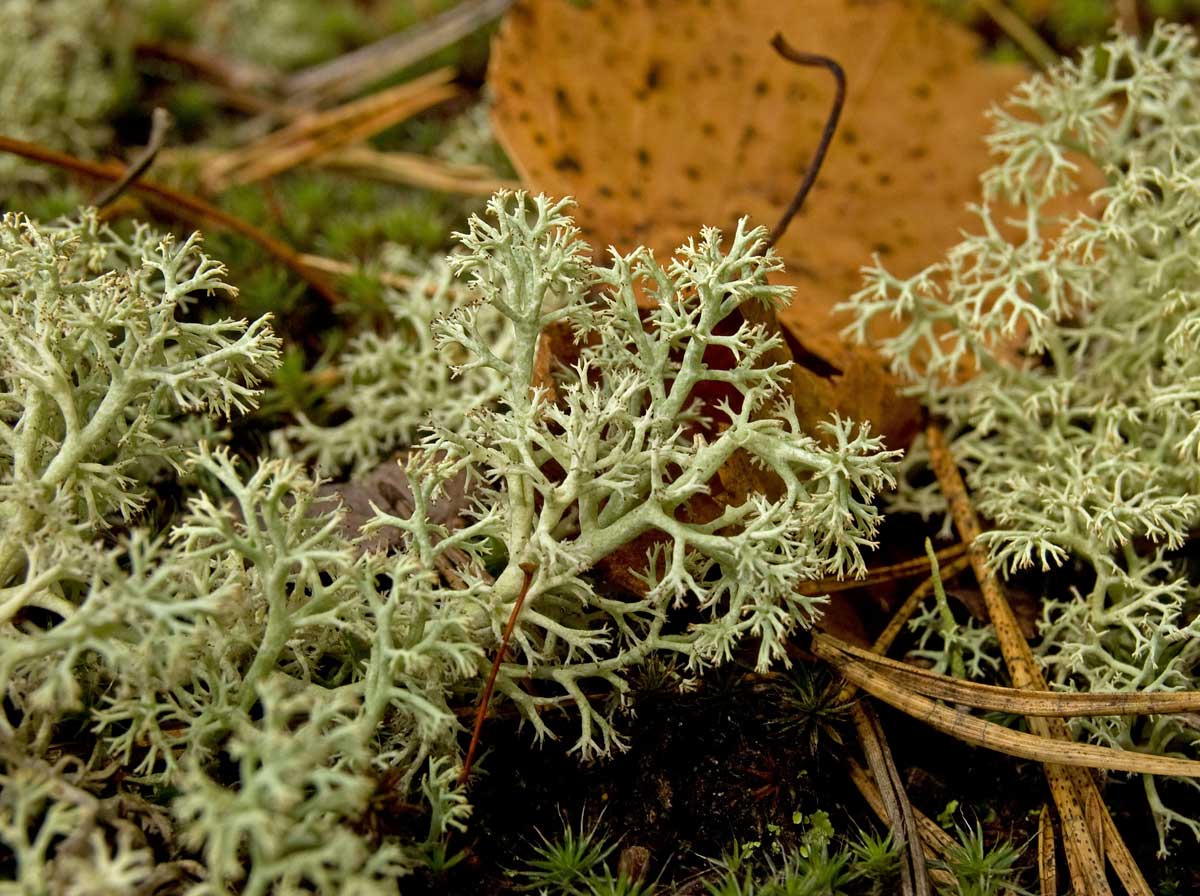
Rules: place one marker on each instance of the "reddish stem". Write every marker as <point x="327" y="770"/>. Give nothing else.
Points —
<point x="486" y="698"/>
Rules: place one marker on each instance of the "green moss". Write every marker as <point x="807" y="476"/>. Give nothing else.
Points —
<point x="193" y="107"/>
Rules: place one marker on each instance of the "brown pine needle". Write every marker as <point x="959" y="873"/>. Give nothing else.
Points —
<point x="982" y="733"/>
<point x="900" y="618"/>
<point x="901" y="818"/>
<point x="358" y="69"/>
<point x="935" y="842"/>
<point x="222" y="71"/>
<point x="1073" y="789"/>
<point x="890" y="573"/>
<point x="1047" y="859"/>
<point x="178" y="204"/>
<point x="414" y="169"/>
<point x="919" y="827"/>
<point x="311" y="136"/>
<point x="345" y="269"/>
<point x="1056" y="704"/>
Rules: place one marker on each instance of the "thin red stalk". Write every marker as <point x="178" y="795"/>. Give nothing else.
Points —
<point x="485" y="699"/>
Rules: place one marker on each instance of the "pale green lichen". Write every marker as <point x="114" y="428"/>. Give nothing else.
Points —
<point x="254" y="633"/>
<point x="1082" y="445"/>
<point x="617" y="451"/>
<point x="98" y="376"/>
<point x="279" y="35"/>
<point x="62" y="64"/>
<point x="259" y="674"/>
<point x="392" y="383"/>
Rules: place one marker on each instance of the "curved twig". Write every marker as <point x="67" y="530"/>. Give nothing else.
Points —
<point x="160" y="123"/>
<point x="784" y="49"/>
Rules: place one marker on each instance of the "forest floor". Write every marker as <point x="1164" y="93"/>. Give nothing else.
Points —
<point x="742" y="761"/>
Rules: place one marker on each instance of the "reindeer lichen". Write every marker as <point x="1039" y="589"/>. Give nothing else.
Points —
<point x="102" y="383"/>
<point x="574" y="463"/>
<point x="392" y="382"/>
<point x="61" y="68"/>
<point x="1065" y="355"/>
<point x="258" y="683"/>
<point x="254" y="633"/>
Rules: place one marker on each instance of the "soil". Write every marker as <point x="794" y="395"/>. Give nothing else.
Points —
<point x="706" y="769"/>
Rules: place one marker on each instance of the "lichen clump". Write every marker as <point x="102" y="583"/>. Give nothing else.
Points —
<point x="63" y="64"/>
<point x="1065" y="355"/>
<point x="260" y="686"/>
<point x="568" y="467"/>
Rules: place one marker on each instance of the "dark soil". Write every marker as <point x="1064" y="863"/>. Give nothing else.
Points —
<point x="723" y="765"/>
<point x="703" y="770"/>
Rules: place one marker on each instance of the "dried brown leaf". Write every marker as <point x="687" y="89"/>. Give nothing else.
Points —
<point x="661" y="118"/>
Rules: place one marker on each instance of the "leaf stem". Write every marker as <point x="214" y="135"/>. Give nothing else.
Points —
<point x="784" y="49"/>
